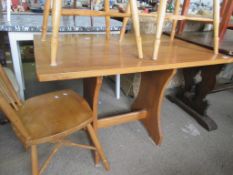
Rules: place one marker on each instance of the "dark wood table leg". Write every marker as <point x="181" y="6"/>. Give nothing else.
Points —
<point x="192" y="97"/>
<point x="91" y="90"/>
<point x="150" y="98"/>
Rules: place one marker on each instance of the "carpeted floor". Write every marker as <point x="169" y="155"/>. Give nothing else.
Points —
<point x="187" y="148"/>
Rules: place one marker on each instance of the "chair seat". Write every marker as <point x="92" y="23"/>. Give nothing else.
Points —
<point x="53" y="113"/>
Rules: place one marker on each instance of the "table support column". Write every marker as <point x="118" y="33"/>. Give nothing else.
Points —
<point x="150" y="98"/>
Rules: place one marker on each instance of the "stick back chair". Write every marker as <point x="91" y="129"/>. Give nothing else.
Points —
<point x="177" y="17"/>
<point x="58" y="11"/>
<point x="48" y="118"/>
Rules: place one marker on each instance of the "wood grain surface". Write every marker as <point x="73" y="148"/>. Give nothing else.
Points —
<point x="82" y="56"/>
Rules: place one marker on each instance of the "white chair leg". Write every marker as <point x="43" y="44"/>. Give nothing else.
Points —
<point x="118" y="86"/>
<point x="160" y="22"/>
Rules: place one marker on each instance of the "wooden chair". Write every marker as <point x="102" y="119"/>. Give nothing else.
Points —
<point x="58" y="11"/>
<point x="215" y="20"/>
<point x="226" y="13"/>
<point x="48" y="118"/>
<point x="176" y="17"/>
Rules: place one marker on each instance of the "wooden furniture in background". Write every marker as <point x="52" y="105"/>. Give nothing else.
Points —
<point x="58" y="11"/>
<point x="64" y="112"/>
<point x="192" y="96"/>
<point x="111" y="57"/>
<point x="176" y="17"/>
<point x="226" y="13"/>
<point x="184" y="11"/>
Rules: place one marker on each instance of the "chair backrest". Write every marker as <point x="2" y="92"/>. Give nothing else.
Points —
<point x="10" y="103"/>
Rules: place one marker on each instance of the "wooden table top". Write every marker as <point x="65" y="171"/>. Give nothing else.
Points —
<point x="82" y="56"/>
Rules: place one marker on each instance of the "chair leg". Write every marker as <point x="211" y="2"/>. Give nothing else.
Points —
<point x="124" y="24"/>
<point x="96" y="142"/>
<point x="34" y="159"/>
<point x="96" y="154"/>
<point x="45" y="19"/>
<point x="91" y="88"/>
<point x="216" y="12"/>
<point x="56" y="16"/>
<point x="107" y="18"/>
<point x="160" y="22"/>
<point x="136" y="25"/>
<point x="174" y="25"/>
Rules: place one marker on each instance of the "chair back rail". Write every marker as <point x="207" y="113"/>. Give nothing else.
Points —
<point x="9" y="89"/>
<point x="10" y="103"/>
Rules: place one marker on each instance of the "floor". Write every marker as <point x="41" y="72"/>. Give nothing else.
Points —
<point x="187" y="148"/>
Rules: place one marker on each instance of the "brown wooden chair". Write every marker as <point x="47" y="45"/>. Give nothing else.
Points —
<point x="58" y="11"/>
<point x="48" y="118"/>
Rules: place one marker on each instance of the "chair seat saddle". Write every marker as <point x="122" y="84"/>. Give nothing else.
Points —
<point x="53" y="113"/>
